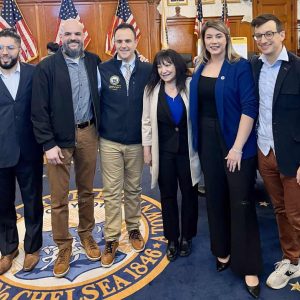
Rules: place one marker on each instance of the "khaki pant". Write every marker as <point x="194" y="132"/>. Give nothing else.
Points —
<point x="121" y="167"/>
<point x="84" y="156"/>
<point x="285" y="195"/>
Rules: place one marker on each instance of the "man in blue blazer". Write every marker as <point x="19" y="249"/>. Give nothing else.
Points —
<point x="277" y="74"/>
<point x="20" y="157"/>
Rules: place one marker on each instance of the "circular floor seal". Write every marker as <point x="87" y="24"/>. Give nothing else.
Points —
<point x="86" y="279"/>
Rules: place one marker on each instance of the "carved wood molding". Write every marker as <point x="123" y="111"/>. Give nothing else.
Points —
<point x="82" y="1"/>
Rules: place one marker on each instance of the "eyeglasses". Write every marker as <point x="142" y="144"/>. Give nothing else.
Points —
<point x="9" y="48"/>
<point x="268" y="35"/>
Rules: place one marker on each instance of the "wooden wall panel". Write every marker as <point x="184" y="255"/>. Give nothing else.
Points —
<point x="155" y="41"/>
<point x="47" y="16"/>
<point x="286" y="11"/>
<point x="181" y="33"/>
<point x="89" y="15"/>
<point x="246" y="31"/>
<point x="41" y="16"/>
<point x="141" y="15"/>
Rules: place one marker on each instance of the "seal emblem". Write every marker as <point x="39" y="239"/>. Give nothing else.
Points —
<point x="87" y="279"/>
<point x="114" y="80"/>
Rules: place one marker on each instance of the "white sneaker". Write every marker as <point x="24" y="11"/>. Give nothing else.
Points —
<point x="284" y="271"/>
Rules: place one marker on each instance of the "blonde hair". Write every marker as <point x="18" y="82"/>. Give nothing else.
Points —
<point x="219" y="25"/>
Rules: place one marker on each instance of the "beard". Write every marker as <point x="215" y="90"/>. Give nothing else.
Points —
<point x="73" y="53"/>
<point x="9" y="65"/>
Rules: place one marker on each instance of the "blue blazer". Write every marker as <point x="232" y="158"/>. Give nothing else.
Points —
<point x="235" y="95"/>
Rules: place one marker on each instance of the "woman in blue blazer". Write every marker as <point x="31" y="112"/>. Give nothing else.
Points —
<point x="223" y="107"/>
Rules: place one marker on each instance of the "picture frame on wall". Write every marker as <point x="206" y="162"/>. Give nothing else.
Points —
<point x="177" y="2"/>
<point x="206" y="1"/>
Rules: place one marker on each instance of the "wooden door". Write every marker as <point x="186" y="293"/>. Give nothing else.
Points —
<point x="286" y="11"/>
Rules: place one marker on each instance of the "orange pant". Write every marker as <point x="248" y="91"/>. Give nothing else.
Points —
<point x="84" y="156"/>
<point x="285" y="195"/>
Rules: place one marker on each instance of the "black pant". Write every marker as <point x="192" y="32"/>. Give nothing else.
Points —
<point x="30" y="179"/>
<point x="230" y="206"/>
<point x="174" y="169"/>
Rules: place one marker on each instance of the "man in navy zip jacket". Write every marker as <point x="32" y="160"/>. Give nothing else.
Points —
<point x="123" y="79"/>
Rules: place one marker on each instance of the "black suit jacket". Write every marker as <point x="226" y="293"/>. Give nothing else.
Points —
<point x="285" y="113"/>
<point x="52" y="104"/>
<point x="16" y="133"/>
<point x="172" y="138"/>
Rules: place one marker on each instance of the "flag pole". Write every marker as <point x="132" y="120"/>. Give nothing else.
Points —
<point x="198" y="25"/>
<point x="198" y="45"/>
<point x="164" y="29"/>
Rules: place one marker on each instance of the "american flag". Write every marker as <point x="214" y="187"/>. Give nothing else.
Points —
<point x="164" y="28"/>
<point x="198" y="19"/>
<point x="123" y="15"/>
<point x="11" y="17"/>
<point x="224" y="17"/>
<point x="68" y="11"/>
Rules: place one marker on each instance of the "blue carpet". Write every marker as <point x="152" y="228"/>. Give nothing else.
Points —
<point x="195" y="277"/>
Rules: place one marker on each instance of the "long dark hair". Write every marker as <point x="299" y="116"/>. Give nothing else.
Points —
<point x="172" y="57"/>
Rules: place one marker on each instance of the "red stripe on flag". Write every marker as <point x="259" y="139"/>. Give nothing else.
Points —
<point x="2" y="26"/>
<point x="109" y="43"/>
<point x="110" y="47"/>
<point x="25" y="36"/>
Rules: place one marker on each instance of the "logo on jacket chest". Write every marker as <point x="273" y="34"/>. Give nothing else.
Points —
<point x="114" y="83"/>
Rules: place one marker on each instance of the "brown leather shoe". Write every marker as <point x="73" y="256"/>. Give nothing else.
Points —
<point x="62" y="263"/>
<point x="31" y="260"/>
<point x="91" y="248"/>
<point x="136" y="240"/>
<point x="108" y="256"/>
<point x="7" y="260"/>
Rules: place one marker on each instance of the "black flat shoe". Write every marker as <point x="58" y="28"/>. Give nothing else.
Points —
<point x="222" y="266"/>
<point x="254" y="291"/>
<point x="185" y="247"/>
<point x="172" y="250"/>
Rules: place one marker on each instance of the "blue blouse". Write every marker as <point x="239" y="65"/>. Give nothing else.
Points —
<point x="176" y="107"/>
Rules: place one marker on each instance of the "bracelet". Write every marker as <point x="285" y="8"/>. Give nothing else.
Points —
<point x="237" y="151"/>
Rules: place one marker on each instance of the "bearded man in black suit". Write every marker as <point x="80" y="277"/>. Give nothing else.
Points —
<point x="20" y="157"/>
